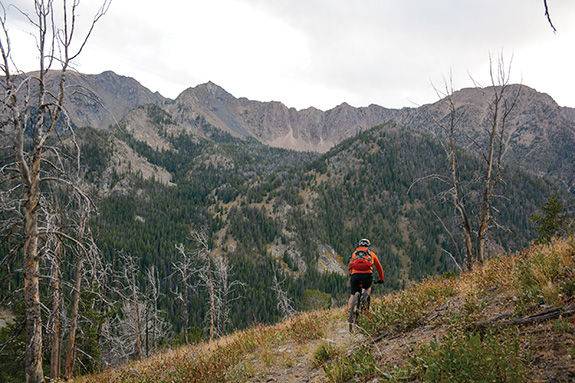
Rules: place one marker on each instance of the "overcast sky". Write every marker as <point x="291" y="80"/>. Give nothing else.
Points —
<point x="324" y="52"/>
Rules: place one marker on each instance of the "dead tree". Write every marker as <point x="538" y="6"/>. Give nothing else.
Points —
<point x="154" y="296"/>
<point x="489" y="146"/>
<point x="186" y="269"/>
<point x="54" y="251"/>
<point x="133" y="297"/>
<point x="223" y="289"/>
<point x="122" y="334"/>
<point x="61" y="247"/>
<point x="492" y="151"/>
<point x="83" y="236"/>
<point x="284" y="303"/>
<point x="30" y="113"/>
<point x="213" y="272"/>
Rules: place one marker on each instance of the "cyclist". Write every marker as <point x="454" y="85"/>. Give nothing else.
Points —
<point x="361" y="270"/>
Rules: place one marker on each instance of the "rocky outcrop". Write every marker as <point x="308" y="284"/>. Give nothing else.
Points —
<point x="273" y="123"/>
<point x="102" y="100"/>
<point x="328" y="261"/>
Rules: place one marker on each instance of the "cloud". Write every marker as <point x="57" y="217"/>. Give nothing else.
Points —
<point x="321" y="53"/>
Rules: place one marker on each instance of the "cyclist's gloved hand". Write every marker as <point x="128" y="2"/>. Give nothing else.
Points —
<point x="378" y="282"/>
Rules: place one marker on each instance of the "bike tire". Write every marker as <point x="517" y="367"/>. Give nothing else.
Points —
<point x="354" y="310"/>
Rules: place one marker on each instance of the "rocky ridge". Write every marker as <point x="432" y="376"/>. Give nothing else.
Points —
<point x="541" y="133"/>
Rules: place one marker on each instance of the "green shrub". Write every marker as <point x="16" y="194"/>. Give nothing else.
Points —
<point x="359" y="366"/>
<point x="325" y="352"/>
<point x="471" y="358"/>
<point x="306" y="327"/>
<point x="547" y="275"/>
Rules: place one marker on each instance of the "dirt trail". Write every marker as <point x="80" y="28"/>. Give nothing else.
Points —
<point x="293" y="362"/>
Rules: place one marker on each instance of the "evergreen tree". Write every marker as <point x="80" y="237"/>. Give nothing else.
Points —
<point x="553" y="223"/>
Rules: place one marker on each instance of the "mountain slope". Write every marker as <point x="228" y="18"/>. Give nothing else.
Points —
<point x="300" y="211"/>
<point x="541" y="135"/>
<point x="506" y="321"/>
<point x="103" y="99"/>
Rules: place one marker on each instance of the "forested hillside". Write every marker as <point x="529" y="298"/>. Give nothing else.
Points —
<point x="271" y="210"/>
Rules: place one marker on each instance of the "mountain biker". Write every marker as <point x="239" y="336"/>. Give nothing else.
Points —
<point x="361" y="270"/>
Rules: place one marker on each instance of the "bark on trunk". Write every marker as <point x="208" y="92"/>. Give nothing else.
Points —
<point x="71" y="356"/>
<point x="137" y="314"/>
<point x="56" y="297"/>
<point x="33" y="353"/>
<point x="186" y="312"/>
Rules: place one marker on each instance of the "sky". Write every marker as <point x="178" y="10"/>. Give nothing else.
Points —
<point x="321" y="53"/>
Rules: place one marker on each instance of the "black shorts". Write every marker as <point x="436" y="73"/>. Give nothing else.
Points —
<point x="359" y="280"/>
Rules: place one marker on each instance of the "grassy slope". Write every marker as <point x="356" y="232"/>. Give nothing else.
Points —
<point x="449" y="329"/>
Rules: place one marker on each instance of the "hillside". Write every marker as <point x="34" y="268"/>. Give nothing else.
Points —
<point x="541" y="134"/>
<point x="507" y="321"/>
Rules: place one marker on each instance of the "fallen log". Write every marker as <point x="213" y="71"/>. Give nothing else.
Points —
<point x="541" y="316"/>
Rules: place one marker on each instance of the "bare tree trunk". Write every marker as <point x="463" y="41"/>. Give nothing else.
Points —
<point x="155" y="296"/>
<point x="56" y="314"/>
<point x="186" y="312"/>
<point x="137" y="323"/>
<point x="213" y="272"/>
<point x="284" y="303"/>
<point x="71" y="355"/>
<point x="185" y="268"/>
<point x="211" y="292"/>
<point x="31" y="185"/>
<point x="503" y="104"/>
<point x="33" y="354"/>
<point x="79" y="271"/>
<point x="457" y="199"/>
<point x="491" y="150"/>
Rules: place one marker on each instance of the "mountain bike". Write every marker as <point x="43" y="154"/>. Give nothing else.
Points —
<point x="360" y="306"/>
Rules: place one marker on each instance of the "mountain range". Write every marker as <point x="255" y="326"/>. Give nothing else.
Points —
<point x="541" y="133"/>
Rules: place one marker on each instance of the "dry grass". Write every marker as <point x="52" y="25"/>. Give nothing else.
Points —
<point x="226" y="359"/>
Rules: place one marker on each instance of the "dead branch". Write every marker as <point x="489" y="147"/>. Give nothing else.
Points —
<point x="548" y="16"/>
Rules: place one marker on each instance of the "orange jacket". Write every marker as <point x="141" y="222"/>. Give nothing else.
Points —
<point x="375" y="262"/>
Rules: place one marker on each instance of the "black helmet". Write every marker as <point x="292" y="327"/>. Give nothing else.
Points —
<point x="364" y="243"/>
